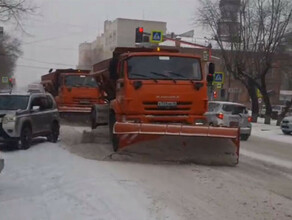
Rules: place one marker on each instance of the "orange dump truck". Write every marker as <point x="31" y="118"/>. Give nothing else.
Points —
<point x="75" y="91"/>
<point x="156" y="93"/>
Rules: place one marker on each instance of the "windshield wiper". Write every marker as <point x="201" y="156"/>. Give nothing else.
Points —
<point x="182" y="76"/>
<point x="138" y="74"/>
<point x="144" y="76"/>
<point x="177" y="74"/>
<point x="163" y="75"/>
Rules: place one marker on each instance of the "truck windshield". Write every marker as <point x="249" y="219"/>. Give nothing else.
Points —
<point x="13" y="102"/>
<point x="164" y="68"/>
<point x="80" y="81"/>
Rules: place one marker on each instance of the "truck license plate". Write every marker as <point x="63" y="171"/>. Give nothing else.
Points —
<point x="84" y="102"/>
<point x="167" y="104"/>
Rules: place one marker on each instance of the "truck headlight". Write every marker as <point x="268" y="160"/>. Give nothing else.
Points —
<point x="8" y="118"/>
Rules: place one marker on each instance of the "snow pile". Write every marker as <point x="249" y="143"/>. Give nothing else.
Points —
<point x="271" y="132"/>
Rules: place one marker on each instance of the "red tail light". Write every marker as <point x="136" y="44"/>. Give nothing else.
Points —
<point x="249" y="119"/>
<point x="220" y="116"/>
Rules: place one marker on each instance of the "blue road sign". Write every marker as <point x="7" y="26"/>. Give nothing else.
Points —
<point x="156" y="37"/>
<point x="219" y="78"/>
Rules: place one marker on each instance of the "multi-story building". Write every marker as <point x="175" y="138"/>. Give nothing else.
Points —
<point x="228" y="23"/>
<point x="85" y="54"/>
<point x="2" y="64"/>
<point x="117" y="33"/>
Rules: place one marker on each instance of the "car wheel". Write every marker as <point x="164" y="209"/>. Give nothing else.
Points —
<point x="286" y="132"/>
<point x="25" y="138"/>
<point x="55" y="132"/>
<point x="244" y="137"/>
<point x="114" y="138"/>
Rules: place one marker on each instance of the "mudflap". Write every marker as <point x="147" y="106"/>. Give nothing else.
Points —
<point x="99" y="115"/>
<point x="198" y="144"/>
<point x="1" y="164"/>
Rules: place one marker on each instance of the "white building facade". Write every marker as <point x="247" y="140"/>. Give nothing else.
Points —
<point x="118" y="33"/>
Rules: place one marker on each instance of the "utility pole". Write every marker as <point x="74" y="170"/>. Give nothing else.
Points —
<point x="1" y="54"/>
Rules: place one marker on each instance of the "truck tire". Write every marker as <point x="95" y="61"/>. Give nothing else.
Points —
<point x="25" y="137"/>
<point x="113" y="137"/>
<point x="55" y="132"/>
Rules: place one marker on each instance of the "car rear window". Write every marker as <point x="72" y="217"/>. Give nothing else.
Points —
<point x="235" y="109"/>
<point x="213" y="107"/>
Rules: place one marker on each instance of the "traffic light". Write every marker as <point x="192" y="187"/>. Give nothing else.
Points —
<point x="139" y="34"/>
<point x="11" y="82"/>
<point x="210" y="75"/>
<point x="215" y="94"/>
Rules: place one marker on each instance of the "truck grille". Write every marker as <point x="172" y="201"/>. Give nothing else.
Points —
<point x="85" y="101"/>
<point x="285" y="122"/>
<point x="167" y="106"/>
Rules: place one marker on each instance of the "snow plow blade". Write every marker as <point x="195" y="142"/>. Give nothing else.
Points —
<point x="73" y="109"/>
<point x="75" y="115"/>
<point x="208" y="138"/>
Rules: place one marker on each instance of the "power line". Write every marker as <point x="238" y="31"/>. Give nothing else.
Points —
<point x="58" y="48"/>
<point x="63" y="23"/>
<point x="44" y="62"/>
<point x="56" y="37"/>
<point x="33" y="67"/>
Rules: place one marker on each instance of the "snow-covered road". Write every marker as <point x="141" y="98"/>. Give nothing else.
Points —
<point x="270" y="132"/>
<point x="57" y="182"/>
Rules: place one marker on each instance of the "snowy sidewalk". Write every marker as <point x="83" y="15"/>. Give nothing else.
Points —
<point x="270" y="132"/>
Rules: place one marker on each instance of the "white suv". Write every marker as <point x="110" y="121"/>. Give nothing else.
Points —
<point x="229" y="114"/>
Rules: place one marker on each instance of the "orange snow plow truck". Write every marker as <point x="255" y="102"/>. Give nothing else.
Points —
<point x="158" y="95"/>
<point x="75" y="91"/>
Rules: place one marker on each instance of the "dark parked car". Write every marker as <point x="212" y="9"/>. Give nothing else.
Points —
<point x="286" y="125"/>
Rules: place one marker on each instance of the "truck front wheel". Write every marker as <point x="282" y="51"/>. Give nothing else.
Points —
<point x="113" y="137"/>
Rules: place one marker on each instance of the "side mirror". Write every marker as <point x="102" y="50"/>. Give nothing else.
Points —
<point x="113" y="70"/>
<point x="211" y="73"/>
<point x="211" y="68"/>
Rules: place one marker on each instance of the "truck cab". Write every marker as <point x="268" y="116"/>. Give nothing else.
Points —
<point x="75" y="91"/>
<point x="160" y="86"/>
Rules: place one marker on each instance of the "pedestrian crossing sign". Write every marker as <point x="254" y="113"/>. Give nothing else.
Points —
<point x="219" y="78"/>
<point x="156" y="37"/>
<point x="4" y="79"/>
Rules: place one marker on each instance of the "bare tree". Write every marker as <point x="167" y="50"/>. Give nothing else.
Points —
<point x="249" y="41"/>
<point x="15" y="10"/>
